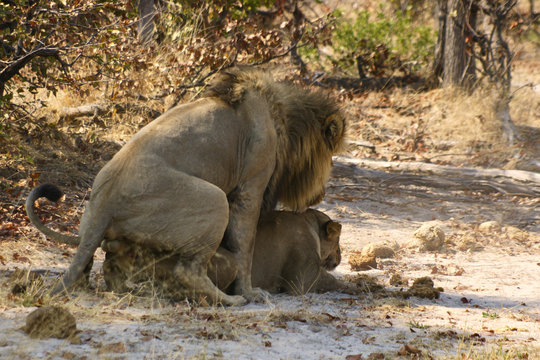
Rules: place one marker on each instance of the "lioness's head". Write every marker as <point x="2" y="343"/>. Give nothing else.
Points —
<point x="330" y="250"/>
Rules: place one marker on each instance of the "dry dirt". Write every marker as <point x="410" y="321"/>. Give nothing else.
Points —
<point x="490" y="304"/>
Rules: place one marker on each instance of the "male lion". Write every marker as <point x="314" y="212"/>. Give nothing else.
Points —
<point x="201" y="173"/>
<point x="293" y="253"/>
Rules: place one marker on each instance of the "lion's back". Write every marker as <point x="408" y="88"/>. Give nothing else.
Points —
<point x="206" y="139"/>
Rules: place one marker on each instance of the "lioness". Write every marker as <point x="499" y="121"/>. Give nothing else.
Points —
<point x="293" y="253"/>
<point x="202" y="172"/>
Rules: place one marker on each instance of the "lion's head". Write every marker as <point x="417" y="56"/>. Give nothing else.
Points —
<point x="330" y="250"/>
<point x="310" y="129"/>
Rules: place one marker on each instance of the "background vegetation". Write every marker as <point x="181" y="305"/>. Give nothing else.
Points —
<point x="77" y="78"/>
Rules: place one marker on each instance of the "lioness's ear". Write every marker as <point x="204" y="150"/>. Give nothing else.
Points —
<point x="333" y="229"/>
<point x="333" y="129"/>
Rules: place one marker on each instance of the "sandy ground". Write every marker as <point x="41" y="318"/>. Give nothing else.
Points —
<point x="490" y="304"/>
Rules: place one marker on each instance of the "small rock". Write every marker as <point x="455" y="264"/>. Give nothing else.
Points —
<point x="468" y="241"/>
<point x="428" y="237"/>
<point x="358" y="262"/>
<point x="50" y="322"/>
<point x="489" y="227"/>
<point x="378" y="250"/>
<point x="516" y="234"/>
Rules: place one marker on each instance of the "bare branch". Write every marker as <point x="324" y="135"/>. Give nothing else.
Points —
<point x="12" y="69"/>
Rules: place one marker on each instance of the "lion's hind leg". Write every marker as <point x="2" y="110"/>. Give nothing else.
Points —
<point x="188" y="219"/>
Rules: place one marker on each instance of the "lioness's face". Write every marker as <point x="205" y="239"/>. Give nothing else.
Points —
<point x="330" y="250"/>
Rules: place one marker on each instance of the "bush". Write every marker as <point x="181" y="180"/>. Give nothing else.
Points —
<point x="381" y="45"/>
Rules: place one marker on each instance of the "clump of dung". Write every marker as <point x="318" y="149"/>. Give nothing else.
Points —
<point x="365" y="283"/>
<point x="423" y="288"/>
<point x="378" y="250"/>
<point x="359" y="262"/>
<point x="50" y="322"/>
<point x="429" y="237"/>
<point x="366" y="259"/>
<point x="468" y="241"/>
<point x="22" y="280"/>
<point x="397" y="280"/>
<point x="516" y="234"/>
<point x="489" y="227"/>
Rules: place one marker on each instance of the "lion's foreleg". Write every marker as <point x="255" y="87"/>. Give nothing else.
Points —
<point x="240" y="239"/>
<point x="327" y="282"/>
<point x="192" y="275"/>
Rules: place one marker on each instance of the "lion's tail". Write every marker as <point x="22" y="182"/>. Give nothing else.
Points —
<point x="53" y="193"/>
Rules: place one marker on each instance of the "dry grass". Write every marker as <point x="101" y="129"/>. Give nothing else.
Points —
<point x="468" y="352"/>
<point x="464" y="119"/>
<point x="446" y="125"/>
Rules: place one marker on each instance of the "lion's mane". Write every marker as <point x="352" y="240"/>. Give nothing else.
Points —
<point x="309" y="128"/>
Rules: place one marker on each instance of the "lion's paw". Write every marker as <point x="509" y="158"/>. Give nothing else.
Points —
<point x="257" y="295"/>
<point x="234" y="300"/>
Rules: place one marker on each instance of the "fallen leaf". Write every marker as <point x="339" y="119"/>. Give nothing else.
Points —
<point x="116" y="348"/>
<point x="20" y="258"/>
<point x="408" y="350"/>
<point x="331" y="317"/>
<point x="477" y="338"/>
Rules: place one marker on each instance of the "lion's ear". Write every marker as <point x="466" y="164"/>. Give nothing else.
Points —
<point x="333" y="129"/>
<point x="333" y="229"/>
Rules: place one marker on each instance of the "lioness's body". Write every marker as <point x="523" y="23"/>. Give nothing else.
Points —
<point x="293" y="253"/>
<point x="199" y="174"/>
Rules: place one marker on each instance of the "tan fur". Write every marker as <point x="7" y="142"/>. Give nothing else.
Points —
<point x="293" y="253"/>
<point x="301" y="117"/>
<point x="200" y="174"/>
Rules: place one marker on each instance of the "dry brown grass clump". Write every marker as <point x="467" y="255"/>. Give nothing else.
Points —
<point x="50" y="321"/>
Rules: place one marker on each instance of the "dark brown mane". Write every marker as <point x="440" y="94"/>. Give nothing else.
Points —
<point x="305" y="145"/>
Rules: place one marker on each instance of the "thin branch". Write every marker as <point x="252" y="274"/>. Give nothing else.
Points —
<point x="12" y="69"/>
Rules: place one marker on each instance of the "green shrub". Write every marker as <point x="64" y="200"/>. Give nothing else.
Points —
<point x="379" y="45"/>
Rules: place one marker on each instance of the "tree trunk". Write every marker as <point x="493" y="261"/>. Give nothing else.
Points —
<point x="438" y="61"/>
<point x="458" y="65"/>
<point x="145" y="27"/>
